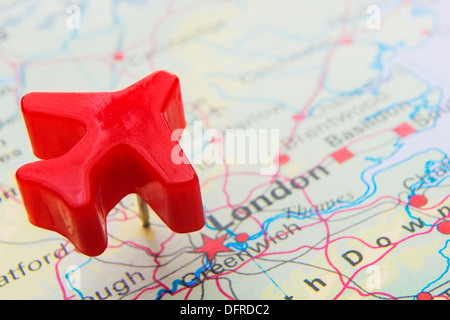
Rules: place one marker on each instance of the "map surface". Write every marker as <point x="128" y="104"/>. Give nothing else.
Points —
<point x="358" y="91"/>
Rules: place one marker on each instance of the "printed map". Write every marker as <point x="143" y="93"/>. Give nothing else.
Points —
<point x="359" y="92"/>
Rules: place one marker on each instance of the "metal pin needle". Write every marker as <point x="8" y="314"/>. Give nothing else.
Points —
<point x="143" y="212"/>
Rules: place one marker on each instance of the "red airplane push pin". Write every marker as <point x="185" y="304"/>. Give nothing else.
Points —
<point x="99" y="147"/>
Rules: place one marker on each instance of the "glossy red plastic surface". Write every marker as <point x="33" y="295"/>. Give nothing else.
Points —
<point x="99" y="147"/>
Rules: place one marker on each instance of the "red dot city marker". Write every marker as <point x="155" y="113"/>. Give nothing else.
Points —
<point x="342" y="155"/>
<point x="298" y="117"/>
<point x="118" y="56"/>
<point x="424" y="296"/>
<point x="444" y="227"/>
<point x="418" y="200"/>
<point x="99" y="147"/>
<point x="282" y="159"/>
<point x="242" y="237"/>
<point x="347" y="41"/>
<point x="404" y="130"/>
